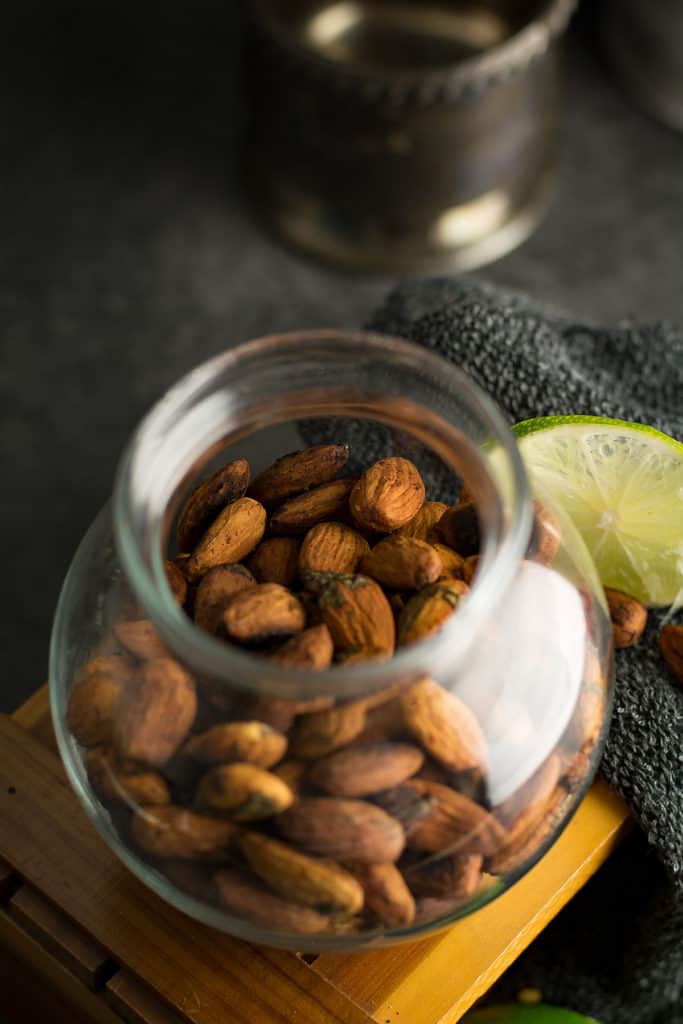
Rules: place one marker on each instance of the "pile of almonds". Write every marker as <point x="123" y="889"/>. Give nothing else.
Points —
<point x="311" y="816"/>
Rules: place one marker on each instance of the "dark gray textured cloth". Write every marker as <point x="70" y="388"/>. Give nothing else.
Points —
<point x="617" y="951"/>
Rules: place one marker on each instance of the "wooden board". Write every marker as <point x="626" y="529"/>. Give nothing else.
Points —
<point x="167" y="969"/>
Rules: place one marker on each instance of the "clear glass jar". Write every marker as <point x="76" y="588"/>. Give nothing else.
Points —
<point x="520" y="672"/>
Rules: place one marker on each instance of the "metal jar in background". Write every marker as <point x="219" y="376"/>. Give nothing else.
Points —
<point x="404" y="134"/>
<point x="644" y="43"/>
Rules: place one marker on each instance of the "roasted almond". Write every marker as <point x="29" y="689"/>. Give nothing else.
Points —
<point x="469" y="569"/>
<point x="403" y="563"/>
<point x="455" y="876"/>
<point x="216" y="589"/>
<point x="176" y="581"/>
<point x="332" y="547"/>
<point x="388" y="495"/>
<point x="246" y="896"/>
<point x="170" y="831"/>
<point x="383" y="722"/>
<point x="386" y="894"/>
<point x="459" y="529"/>
<point x="276" y="560"/>
<point x="133" y="786"/>
<point x="671" y="649"/>
<point x="455" y="824"/>
<point x="92" y="708"/>
<point x="361" y="771"/>
<point x="522" y="845"/>
<point x="546" y="536"/>
<point x="140" y="639"/>
<point x="299" y="514"/>
<point x="444" y="726"/>
<point x="230" y="538"/>
<point x="342" y="829"/>
<point x="355" y="611"/>
<point x="422" y="524"/>
<point x="312" y="650"/>
<point x="223" y="487"/>
<point x="359" y="655"/>
<point x="298" y="472"/>
<point x="243" y="792"/>
<point x="276" y="712"/>
<point x="262" y="612"/>
<point x="323" y="732"/>
<point x="251" y="742"/>
<point x="453" y="564"/>
<point x="154" y="716"/>
<point x="428" y="610"/>
<point x="530" y="799"/>
<point x="406" y="805"/>
<point x="292" y="773"/>
<point x="315" y="883"/>
<point x="628" y="615"/>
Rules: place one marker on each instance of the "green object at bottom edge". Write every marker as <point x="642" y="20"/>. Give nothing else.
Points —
<point x="537" y="1014"/>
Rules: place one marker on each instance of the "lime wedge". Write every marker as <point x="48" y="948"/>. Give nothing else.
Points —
<point x="539" y="1014"/>
<point x="622" y="485"/>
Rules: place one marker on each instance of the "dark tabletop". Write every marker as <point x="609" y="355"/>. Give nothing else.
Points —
<point x="128" y="255"/>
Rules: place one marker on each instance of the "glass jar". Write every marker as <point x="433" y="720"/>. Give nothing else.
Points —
<point x="488" y="729"/>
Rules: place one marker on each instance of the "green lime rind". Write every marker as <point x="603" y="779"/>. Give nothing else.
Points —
<point x="621" y="484"/>
<point x="537" y="1014"/>
<point x="532" y="426"/>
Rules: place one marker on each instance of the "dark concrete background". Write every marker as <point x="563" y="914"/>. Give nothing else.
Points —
<point x="127" y="254"/>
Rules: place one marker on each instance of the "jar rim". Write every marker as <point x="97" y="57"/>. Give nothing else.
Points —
<point x="136" y="533"/>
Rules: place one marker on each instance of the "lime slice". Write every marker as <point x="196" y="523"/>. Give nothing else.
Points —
<point x="539" y="1014"/>
<point x="622" y="485"/>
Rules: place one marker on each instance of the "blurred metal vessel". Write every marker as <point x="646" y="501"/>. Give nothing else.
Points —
<point x="644" y="42"/>
<point x="404" y="134"/>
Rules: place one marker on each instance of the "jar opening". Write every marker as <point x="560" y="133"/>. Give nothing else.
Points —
<point x="271" y="396"/>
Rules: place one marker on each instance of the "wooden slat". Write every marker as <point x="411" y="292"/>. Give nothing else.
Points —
<point x="207" y="977"/>
<point x="34" y="715"/>
<point x="136" y="1003"/>
<point x="436" y="980"/>
<point x="8" y="881"/>
<point x="35" y="987"/>
<point x="79" y="953"/>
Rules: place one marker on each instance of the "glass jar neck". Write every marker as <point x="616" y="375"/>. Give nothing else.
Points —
<point x="366" y="387"/>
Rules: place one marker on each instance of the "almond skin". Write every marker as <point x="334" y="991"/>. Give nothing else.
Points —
<point x="356" y="612"/>
<point x="628" y="615"/>
<point x="298" y="472"/>
<point x="455" y="823"/>
<point x="261" y="612"/>
<point x="216" y="589"/>
<point x="530" y="799"/>
<point x="246" y="896"/>
<point x="388" y="495"/>
<point x="444" y="726"/>
<point x="170" y="831"/>
<point x="469" y="569"/>
<point x="343" y="829"/>
<point x="404" y="563"/>
<point x="332" y="547"/>
<point x="546" y="536"/>
<point x="226" y="485"/>
<point x="454" y="876"/>
<point x="312" y="650"/>
<point x="251" y="742"/>
<point x="323" y="732"/>
<point x="155" y="716"/>
<point x="231" y="537"/>
<point x="386" y="894"/>
<point x="176" y="582"/>
<point x="453" y="564"/>
<point x="93" y="706"/>
<point x="383" y="722"/>
<point x="421" y="525"/>
<point x="243" y="792"/>
<point x="276" y="560"/>
<point x="429" y="609"/>
<point x="299" y="514"/>
<point x="524" y="844"/>
<point x="671" y="649"/>
<point x="138" y="787"/>
<point x="293" y="875"/>
<point x="361" y="771"/>
<point x="140" y="639"/>
<point x="459" y="529"/>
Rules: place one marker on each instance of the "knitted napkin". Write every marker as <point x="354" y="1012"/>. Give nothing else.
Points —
<point x="616" y="952"/>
